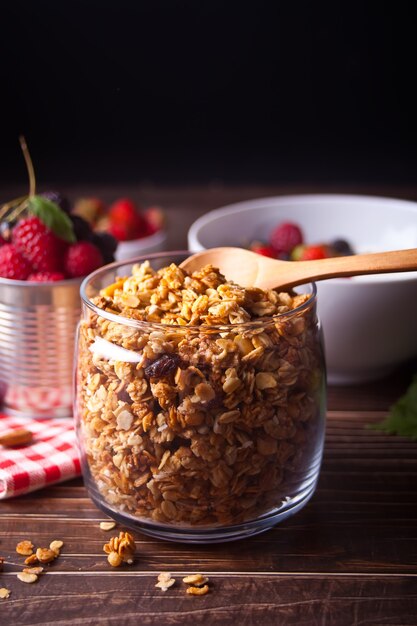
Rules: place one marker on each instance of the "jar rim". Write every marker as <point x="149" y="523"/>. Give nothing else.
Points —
<point x="140" y="324"/>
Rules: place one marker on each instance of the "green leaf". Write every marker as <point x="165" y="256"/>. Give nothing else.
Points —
<point x="53" y="217"/>
<point x="402" y="418"/>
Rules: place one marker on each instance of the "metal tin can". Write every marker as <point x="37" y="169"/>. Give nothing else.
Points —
<point x="37" y="334"/>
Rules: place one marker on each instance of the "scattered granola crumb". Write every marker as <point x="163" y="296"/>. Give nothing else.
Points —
<point x="25" y="548"/>
<point x="165" y="581"/>
<point x="27" y="578"/>
<point x="107" y="525"/>
<point x="120" y="549"/>
<point x="33" y="570"/>
<point x="198" y="580"/>
<point x="45" y="555"/>
<point x="31" y="560"/>
<point x="198" y="591"/>
<point x="4" y="593"/>
<point x="114" y="559"/>
<point x="56" y="545"/>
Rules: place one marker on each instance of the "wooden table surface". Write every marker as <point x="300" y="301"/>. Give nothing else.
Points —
<point x="348" y="558"/>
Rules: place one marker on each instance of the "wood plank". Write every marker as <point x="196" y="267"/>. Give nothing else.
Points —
<point x="249" y="599"/>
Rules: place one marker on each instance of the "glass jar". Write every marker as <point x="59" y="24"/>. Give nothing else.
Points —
<point x="198" y="433"/>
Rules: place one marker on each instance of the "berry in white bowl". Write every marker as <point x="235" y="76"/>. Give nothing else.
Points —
<point x="138" y="231"/>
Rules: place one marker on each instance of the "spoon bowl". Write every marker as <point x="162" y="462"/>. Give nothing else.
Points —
<point x="250" y="269"/>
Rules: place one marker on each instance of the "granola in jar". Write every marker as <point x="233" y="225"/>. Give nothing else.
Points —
<point x="200" y="403"/>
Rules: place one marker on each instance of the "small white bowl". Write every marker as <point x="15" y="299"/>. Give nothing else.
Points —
<point x="127" y="250"/>
<point x="369" y="322"/>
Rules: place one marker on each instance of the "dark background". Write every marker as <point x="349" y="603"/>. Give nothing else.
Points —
<point x="196" y="91"/>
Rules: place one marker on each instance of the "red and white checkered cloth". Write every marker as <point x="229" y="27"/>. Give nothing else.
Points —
<point x="52" y="456"/>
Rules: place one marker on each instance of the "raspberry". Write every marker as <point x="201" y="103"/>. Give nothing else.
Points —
<point x="285" y="237"/>
<point x="38" y="244"/>
<point x="13" y="264"/>
<point x="313" y="253"/>
<point x="82" y="258"/>
<point x="43" y="277"/>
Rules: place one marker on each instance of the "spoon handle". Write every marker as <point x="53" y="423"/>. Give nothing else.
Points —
<point x="355" y="265"/>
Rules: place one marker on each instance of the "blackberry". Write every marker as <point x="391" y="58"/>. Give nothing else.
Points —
<point x="342" y="247"/>
<point x="82" y="229"/>
<point x="59" y="199"/>
<point x="107" y="245"/>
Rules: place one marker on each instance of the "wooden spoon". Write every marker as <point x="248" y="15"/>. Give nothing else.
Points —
<point x="250" y="269"/>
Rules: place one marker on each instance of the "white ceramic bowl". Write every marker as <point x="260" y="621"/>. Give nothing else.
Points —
<point x="369" y="322"/>
<point x="127" y="250"/>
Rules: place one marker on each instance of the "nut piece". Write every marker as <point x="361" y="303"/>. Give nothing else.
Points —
<point x="45" y="555"/>
<point x="16" y="437"/>
<point x="107" y="525"/>
<point x="27" y="578"/>
<point x="198" y="591"/>
<point x="4" y="593"/>
<point x="25" y="548"/>
<point x="165" y="581"/>
<point x="195" y="579"/>
<point x="56" y="545"/>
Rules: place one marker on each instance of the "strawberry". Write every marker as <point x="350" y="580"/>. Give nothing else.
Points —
<point x="285" y="237"/>
<point x="125" y="223"/>
<point x="312" y="253"/>
<point x="43" y="277"/>
<point x="122" y="210"/>
<point x="154" y="218"/>
<point x="81" y="258"/>
<point x="263" y="249"/>
<point x="12" y="263"/>
<point x="38" y="244"/>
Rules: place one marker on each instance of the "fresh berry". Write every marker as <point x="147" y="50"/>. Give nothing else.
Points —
<point x="6" y="231"/>
<point x="285" y="237"/>
<point x="13" y="264"/>
<point x="39" y="245"/>
<point x="107" y="245"/>
<point x="125" y="223"/>
<point x="81" y="258"/>
<point x="2" y="241"/>
<point x="297" y="252"/>
<point x="342" y="247"/>
<point x="43" y="277"/>
<point x="263" y="249"/>
<point x="313" y="253"/>
<point x="123" y="210"/>
<point x="82" y="229"/>
<point x="154" y="218"/>
<point x="91" y="209"/>
<point x="59" y="199"/>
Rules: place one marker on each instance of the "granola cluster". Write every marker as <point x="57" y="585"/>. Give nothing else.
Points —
<point x="201" y="406"/>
